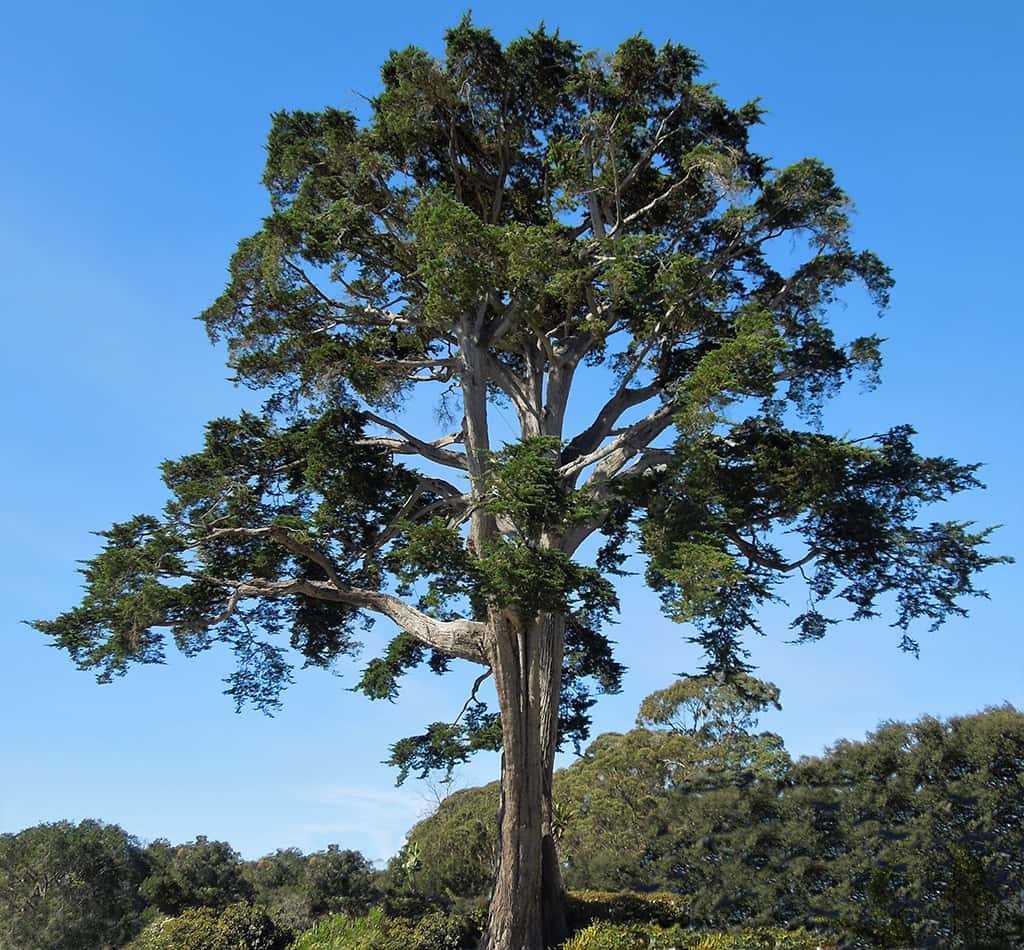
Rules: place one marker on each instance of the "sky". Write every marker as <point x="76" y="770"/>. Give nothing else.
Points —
<point x="130" y="156"/>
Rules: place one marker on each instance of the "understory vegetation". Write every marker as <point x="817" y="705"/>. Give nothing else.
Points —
<point x="691" y="831"/>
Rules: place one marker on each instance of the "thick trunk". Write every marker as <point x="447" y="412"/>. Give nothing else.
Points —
<point x="527" y="907"/>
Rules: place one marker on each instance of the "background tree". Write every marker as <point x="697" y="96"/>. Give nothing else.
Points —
<point x="911" y="836"/>
<point x="296" y="889"/>
<point x="200" y="873"/>
<point x="505" y="221"/>
<point x="929" y="824"/>
<point x="278" y="881"/>
<point x="66" y="886"/>
<point x="630" y="792"/>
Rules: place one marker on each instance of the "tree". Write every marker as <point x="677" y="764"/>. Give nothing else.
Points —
<point x="200" y="873"/>
<point x="630" y="792"/>
<point x="65" y="886"/>
<point x="507" y="225"/>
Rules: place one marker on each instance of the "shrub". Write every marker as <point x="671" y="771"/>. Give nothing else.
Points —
<point x="605" y="936"/>
<point x="340" y="932"/>
<point x="618" y="936"/>
<point x="237" y="927"/>
<point x="376" y="931"/>
<point x="586" y="907"/>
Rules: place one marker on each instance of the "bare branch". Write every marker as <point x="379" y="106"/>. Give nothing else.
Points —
<point x="753" y="553"/>
<point x="409" y="444"/>
<point x="464" y="639"/>
<point x="633" y="439"/>
<point x="610" y="413"/>
<point x="477" y="683"/>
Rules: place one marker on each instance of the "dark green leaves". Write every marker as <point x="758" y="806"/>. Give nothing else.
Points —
<point x="741" y="511"/>
<point x="245" y="513"/>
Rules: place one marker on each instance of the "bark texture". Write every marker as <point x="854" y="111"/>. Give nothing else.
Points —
<point x="528" y="904"/>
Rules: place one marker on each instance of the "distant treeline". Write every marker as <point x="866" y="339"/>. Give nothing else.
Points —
<point x="912" y="837"/>
<point x="71" y="887"/>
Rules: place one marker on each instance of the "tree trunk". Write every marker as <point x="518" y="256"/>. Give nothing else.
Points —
<point x="528" y="903"/>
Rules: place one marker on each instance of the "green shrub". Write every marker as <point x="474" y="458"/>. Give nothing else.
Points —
<point x="340" y="932"/>
<point x="439" y="931"/>
<point x="237" y="927"/>
<point x="376" y="931"/>
<point x="605" y="936"/>
<point x="586" y="907"/>
<point x="619" y="936"/>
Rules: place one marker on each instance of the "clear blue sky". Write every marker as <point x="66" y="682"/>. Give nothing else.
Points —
<point x="130" y="156"/>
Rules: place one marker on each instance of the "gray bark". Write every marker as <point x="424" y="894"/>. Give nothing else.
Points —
<point x="527" y="909"/>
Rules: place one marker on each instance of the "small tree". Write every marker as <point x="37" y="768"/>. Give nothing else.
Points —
<point x="507" y="224"/>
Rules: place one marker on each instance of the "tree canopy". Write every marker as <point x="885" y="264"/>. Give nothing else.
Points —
<point x="506" y="218"/>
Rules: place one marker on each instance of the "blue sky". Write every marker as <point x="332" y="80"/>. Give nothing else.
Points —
<point x="130" y="160"/>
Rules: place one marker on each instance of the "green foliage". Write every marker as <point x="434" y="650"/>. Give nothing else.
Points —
<point x="524" y="486"/>
<point x="503" y="217"/>
<point x="456" y="255"/>
<point x="376" y="931"/>
<point x="296" y="889"/>
<point x="66" y="887"/>
<point x="236" y="927"/>
<point x="301" y="483"/>
<point x="711" y="531"/>
<point x="628" y="791"/>
<point x="606" y="936"/>
<point x="201" y="873"/>
<point x="456" y="844"/>
<point x="609" y="937"/>
<point x="911" y="837"/>
<point x="623" y="907"/>
<point x="712" y="707"/>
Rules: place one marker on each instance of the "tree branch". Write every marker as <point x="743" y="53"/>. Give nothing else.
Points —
<point x="752" y="552"/>
<point x="464" y="639"/>
<point x="409" y="444"/>
<point x="477" y="683"/>
<point x="611" y="458"/>
<point x="591" y="437"/>
<point x="634" y="438"/>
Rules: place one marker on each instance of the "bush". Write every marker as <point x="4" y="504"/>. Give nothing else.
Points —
<point x="605" y="936"/>
<point x="587" y="907"/>
<point x="237" y="927"/>
<point x="612" y="936"/>
<point x="376" y="931"/>
<point x="339" y="932"/>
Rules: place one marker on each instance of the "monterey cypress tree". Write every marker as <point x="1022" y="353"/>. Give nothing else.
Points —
<point x="506" y="227"/>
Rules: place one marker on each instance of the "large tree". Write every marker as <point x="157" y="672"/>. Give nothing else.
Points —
<point x="505" y="227"/>
<point x="65" y="886"/>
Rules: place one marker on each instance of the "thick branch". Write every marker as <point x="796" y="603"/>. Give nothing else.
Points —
<point x="610" y="458"/>
<point x="458" y="638"/>
<point x="610" y="413"/>
<point x="512" y="386"/>
<point x="409" y="444"/>
<point x="477" y="440"/>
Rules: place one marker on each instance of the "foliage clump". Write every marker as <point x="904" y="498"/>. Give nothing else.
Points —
<point x="236" y="927"/>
